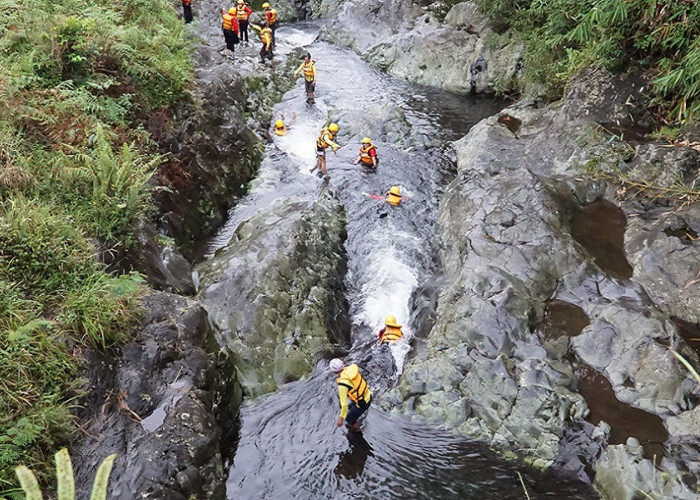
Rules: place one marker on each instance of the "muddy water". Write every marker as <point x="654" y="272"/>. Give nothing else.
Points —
<point x="289" y="446"/>
<point x="600" y="228"/>
<point x="561" y="319"/>
<point x="624" y="420"/>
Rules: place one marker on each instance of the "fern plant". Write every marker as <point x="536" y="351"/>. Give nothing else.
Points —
<point x="65" y="479"/>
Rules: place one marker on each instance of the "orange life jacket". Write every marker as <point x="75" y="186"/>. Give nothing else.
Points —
<point x="266" y="36"/>
<point x="357" y="387"/>
<point x="391" y="333"/>
<point x="228" y="22"/>
<point x="271" y="16"/>
<point x="242" y="12"/>
<point x="365" y="157"/>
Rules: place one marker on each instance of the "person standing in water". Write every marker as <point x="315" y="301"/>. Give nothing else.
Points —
<point x="308" y="67"/>
<point x="353" y="393"/>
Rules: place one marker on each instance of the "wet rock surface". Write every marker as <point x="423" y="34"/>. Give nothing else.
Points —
<point x="276" y="291"/>
<point x="414" y="43"/>
<point x="506" y="249"/>
<point x="163" y="408"/>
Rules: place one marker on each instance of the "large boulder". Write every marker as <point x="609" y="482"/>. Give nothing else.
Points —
<point x="163" y="406"/>
<point x="276" y="291"/>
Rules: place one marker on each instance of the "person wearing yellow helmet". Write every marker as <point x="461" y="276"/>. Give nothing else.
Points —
<point x="326" y="138"/>
<point x="187" y="10"/>
<point x="229" y="25"/>
<point x="368" y="154"/>
<point x="393" y="196"/>
<point x="353" y="387"/>
<point x="271" y="20"/>
<point x="266" y="38"/>
<point x="280" y="129"/>
<point x="243" y="12"/>
<point x="391" y="331"/>
<point x="308" y="67"/>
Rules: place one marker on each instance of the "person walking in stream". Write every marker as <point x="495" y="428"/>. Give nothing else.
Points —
<point x="266" y="38"/>
<point x="353" y="394"/>
<point x="325" y="139"/>
<point x="308" y="68"/>
<point x="243" y="12"/>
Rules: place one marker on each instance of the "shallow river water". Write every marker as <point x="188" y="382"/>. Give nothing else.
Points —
<point x="288" y="445"/>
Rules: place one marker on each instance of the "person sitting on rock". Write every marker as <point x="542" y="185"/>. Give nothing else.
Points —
<point x="351" y="386"/>
<point x="393" y="196"/>
<point x="391" y="331"/>
<point x="368" y="154"/>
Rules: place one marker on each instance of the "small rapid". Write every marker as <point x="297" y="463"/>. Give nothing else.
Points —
<point x="288" y="445"/>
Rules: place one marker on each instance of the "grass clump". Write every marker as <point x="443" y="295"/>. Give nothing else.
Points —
<point x="660" y="38"/>
<point x="78" y="78"/>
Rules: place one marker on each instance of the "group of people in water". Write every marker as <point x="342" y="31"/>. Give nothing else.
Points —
<point x="354" y="394"/>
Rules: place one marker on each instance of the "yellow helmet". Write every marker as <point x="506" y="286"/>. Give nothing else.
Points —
<point x="240" y="2"/>
<point x="333" y="127"/>
<point x="232" y="10"/>
<point x="396" y="190"/>
<point x="366" y="140"/>
<point x="279" y="124"/>
<point x="391" y="321"/>
<point x="266" y="5"/>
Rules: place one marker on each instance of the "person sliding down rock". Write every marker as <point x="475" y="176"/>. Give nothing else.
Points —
<point x="393" y="196"/>
<point x="352" y="387"/>
<point x="391" y="331"/>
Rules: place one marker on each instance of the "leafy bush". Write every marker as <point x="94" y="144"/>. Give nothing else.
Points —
<point x="657" y="37"/>
<point x="77" y="80"/>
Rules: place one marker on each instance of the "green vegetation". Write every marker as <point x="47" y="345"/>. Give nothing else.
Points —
<point x="659" y="38"/>
<point x="65" y="480"/>
<point x="78" y="78"/>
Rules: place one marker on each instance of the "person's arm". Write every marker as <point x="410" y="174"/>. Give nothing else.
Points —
<point x="343" y="397"/>
<point x="330" y="142"/>
<point x="313" y="67"/>
<point x="298" y="71"/>
<point x="381" y="333"/>
<point x="373" y="155"/>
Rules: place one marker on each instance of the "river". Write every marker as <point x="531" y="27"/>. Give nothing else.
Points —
<point x="288" y="444"/>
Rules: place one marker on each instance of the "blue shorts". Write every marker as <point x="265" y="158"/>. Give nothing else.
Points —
<point x="355" y="411"/>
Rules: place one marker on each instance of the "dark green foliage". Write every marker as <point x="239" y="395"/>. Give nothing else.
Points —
<point x="77" y="80"/>
<point x="659" y="38"/>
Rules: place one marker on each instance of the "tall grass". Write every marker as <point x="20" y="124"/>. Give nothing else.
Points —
<point x="77" y="80"/>
<point x="658" y="37"/>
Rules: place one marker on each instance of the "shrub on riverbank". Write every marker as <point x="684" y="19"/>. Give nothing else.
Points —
<point x="77" y="80"/>
<point x="659" y="38"/>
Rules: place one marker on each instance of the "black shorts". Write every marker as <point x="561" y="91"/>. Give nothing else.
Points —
<point x="310" y="86"/>
<point x="320" y="152"/>
<point x="356" y="410"/>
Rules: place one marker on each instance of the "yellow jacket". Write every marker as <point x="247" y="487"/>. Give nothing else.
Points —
<point x="351" y="385"/>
